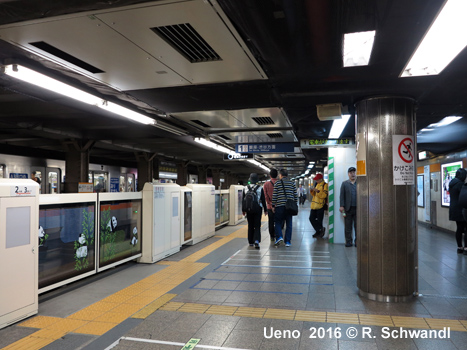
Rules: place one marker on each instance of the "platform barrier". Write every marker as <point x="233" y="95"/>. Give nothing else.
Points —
<point x="161" y="221"/>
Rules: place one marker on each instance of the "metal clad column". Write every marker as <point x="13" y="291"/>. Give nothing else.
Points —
<point x="386" y="212"/>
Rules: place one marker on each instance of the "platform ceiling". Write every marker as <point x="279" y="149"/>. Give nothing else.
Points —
<point x="277" y="60"/>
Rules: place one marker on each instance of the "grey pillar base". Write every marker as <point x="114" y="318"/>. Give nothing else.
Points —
<point x="386" y="298"/>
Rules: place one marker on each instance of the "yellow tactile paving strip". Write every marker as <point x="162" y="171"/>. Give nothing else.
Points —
<point x="138" y="301"/>
<point x="320" y="316"/>
<point x="151" y="293"/>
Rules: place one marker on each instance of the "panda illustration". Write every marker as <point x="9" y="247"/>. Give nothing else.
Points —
<point x="112" y="224"/>
<point x="134" y="240"/>
<point x="41" y="236"/>
<point x="82" y="250"/>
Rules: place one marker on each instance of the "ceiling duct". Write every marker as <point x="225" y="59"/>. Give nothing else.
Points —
<point x="276" y="135"/>
<point x="42" y="45"/>
<point x="187" y="41"/>
<point x="263" y="120"/>
<point x="200" y="123"/>
<point x="330" y="111"/>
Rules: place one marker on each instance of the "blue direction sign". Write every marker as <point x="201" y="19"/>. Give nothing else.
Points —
<point x="264" y="148"/>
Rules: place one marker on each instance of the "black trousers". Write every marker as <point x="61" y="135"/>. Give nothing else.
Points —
<point x="351" y="217"/>
<point x="461" y="229"/>
<point x="316" y="219"/>
<point x="272" y="231"/>
<point x="254" y="227"/>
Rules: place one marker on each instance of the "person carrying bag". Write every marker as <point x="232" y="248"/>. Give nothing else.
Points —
<point x="284" y="207"/>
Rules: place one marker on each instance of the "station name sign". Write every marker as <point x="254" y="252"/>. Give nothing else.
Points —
<point x="313" y="143"/>
<point x="238" y="156"/>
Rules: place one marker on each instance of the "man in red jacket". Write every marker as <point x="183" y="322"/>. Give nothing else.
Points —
<point x="268" y="188"/>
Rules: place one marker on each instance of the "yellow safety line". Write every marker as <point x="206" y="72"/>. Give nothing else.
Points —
<point x="137" y="301"/>
<point x="320" y="316"/>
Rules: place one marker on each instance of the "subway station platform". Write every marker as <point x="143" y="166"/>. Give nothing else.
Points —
<point x="223" y="294"/>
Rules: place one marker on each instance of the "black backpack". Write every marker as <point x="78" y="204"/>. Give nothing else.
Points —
<point x="250" y="201"/>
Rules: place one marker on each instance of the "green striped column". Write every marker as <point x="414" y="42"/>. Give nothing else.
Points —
<point x="331" y="198"/>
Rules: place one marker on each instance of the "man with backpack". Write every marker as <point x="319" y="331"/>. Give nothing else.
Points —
<point x="253" y="206"/>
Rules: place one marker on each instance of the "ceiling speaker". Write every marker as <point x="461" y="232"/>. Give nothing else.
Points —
<point x="330" y="111"/>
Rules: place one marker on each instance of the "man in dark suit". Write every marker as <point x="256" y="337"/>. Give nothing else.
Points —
<point x="348" y="205"/>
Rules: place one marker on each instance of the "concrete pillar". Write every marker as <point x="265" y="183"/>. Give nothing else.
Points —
<point x="145" y="168"/>
<point x="155" y="168"/>
<point x="182" y="173"/>
<point x="386" y="212"/>
<point x="202" y="174"/>
<point x="76" y="169"/>
<point x="216" y="178"/>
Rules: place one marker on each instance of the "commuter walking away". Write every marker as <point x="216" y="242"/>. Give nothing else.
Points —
<point x="455" y="209"/>
<point x="319" y="195"/>
<point x="253" y="206"/>
<point x="348" y="205"/>
<point x="268" y="190"/>
<point x="283" y="189"/>
<point x="301" y="194"/>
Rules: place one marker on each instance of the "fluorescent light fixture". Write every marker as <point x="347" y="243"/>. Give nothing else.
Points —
<point x="127" y="113"/>
<point x="311" y="162"/>
<point x="357" y="48"/>
<point x="310" y="166"/>
<point x="447" y="120"/>
<point x="214" y="146"/>
<point x="338" y="126"/>
<point x="425" y="129"/>
<point x="258" y="164"/>
<point x="32" y="77"/>
<point x="422" y="155"/>
<point x="445" y="39"/>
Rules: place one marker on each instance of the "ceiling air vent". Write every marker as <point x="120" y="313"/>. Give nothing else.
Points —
<point x="225" y="137"/>
<point x="276" y="135"/>
<point x="65" y="56"/>
<point x="200" y="123"/>
<point x="291" y="155"/>
<point x="187" y="41"/>
<point x="263" y="120"/>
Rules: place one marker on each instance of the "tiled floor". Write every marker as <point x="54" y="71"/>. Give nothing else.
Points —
<point x="231" y="296"/>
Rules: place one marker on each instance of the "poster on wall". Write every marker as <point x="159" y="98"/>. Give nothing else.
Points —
<point x="420" y="191"/>
<point x="448" y="172"/>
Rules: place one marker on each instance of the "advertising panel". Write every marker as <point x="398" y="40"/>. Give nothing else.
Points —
<point x="66" y="241"/>
<point x="120" y="230"/>
<point x="448" y="172"/>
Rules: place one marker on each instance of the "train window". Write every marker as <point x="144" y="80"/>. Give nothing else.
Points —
<point x="131" y="183"/>
<point x="52" y="182"/>
<point x="100" y="180"/>
<point x="122" y="183"/>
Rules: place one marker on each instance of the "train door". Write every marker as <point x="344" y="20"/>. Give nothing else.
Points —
<point x="48" y="178"/>
<point x="39" y="173"/>
<point x="99" y="179"/>
<point x="130" y="182"/>
<point x="127" y="183"/>
<point x="53" y="180"/>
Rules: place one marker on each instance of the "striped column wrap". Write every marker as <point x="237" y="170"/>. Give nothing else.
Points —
<point x="331" y="198"/>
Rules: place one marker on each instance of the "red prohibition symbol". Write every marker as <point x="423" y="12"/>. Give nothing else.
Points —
<point x="405" y="150"/>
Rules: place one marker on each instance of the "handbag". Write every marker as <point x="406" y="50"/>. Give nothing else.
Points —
<point x="291" y="206"/>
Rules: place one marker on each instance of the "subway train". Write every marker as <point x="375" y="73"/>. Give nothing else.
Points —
<point x="51" y="173"/>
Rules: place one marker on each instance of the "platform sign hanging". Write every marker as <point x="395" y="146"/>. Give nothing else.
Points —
<point x="403" y="163"/>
